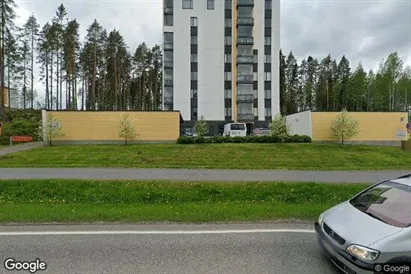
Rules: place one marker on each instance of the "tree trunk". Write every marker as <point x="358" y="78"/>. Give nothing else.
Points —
<point x="32" y="69"/>
<point x="51" y="80"/>
<point x="93" y="80"/>
<point x="57" y="81"/>
<point x="3" y="30"/>
<point x="47" y="82"/>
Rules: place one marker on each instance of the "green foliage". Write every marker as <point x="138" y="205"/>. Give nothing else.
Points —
<point x="343" y="127"/>
<point x="39" y="201"/>
<point x="126" y="129"/>
<point x="247" y="139"/>
<point x="201" y="127"/>
<point x="279" y="127"/>
<point x="132" y="192"/>
<point x="51" y="130"/>
<point x="20" y="122"/>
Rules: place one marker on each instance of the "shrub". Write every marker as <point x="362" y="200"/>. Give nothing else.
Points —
<point x="199" y="140"/>
<point x="343" y="127"/>
<point x="201" y="127"/>
<point x="247" y="139"/>
<point x="126" y="129"/>
<point x="185" y="140"/>
<point x="279" y="127"/>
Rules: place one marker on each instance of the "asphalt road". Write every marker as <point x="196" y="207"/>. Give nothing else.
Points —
<point x="199" y="174"/>
<point x="168" y="249"/>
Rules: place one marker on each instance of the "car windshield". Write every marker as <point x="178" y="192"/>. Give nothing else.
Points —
<point x="388" y="202"/>
<point x="237" y="127"/>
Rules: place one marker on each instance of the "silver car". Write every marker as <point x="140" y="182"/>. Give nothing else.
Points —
<point x="371" y="230"/>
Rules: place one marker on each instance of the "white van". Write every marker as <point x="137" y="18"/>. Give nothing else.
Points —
<point x="235" y="129"/>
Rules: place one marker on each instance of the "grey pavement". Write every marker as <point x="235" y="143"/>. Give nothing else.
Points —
<point x="200" y="174"/>
<point x="19" y="147"/>
<point x="266" y="252"/>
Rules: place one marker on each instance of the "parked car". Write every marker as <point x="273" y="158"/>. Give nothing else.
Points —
<point x="235" y="129"/>
<point x="374" y="227"/>
<point x="261" y="132"/>
<point x="190" y="132"/>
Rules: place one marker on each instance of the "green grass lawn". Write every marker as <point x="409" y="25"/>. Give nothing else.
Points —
<point x="43" y="201"/>
<point x="215" y="156"/>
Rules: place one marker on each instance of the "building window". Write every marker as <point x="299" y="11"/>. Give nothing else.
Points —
<point x="227" y="76"/>
<point x="187" y="4"/>
<point x="227" y="40"/>
<point x="228" y="111"/>
<point x="194" y="40"/>
<point x="255" y="112"/>
<point x="268" y="5"/>
<point x="194" y="58"/>
<point x="195" y="112"/>
<point x="193" y="93"/>
<point x="267" y="94"/>
<point x="255" y="59"/>
<point x="194" y="75"/>
<point x="210" y="4"/>
<point x="227" y="58"/>
<point x="227" y="94"/>
<point x="168" y="20"/>
<point x="255" y="76"/>
<point x="267" y="58"/>
<point x="268" y="23"/>
<point x="228" y="22"/>
<point x="267" y="76"/>
<point x="255" y="94"/>
<point x="268" y="112"/>
<point x="168" y="38"/>
<point x="228" y="4"/>
<point x="267" y="40"/>
<point x="194" y="21"/>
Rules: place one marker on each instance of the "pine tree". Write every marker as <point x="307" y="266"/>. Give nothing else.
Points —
<point x="12" y="60"/>
<point x="344" y="73"/>
<point x="70" y="52"/>
<point x="31" y="29"/>
<point x="7" y="15"/>
<point x="283" y="89"/>
<point x="58" y="37"/>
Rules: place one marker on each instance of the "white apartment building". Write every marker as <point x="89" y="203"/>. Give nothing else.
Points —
<point x="221" y="60"/>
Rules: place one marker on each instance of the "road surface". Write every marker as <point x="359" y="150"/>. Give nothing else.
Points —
<point x="199" y="174"/>
<point x="264" y="248"/>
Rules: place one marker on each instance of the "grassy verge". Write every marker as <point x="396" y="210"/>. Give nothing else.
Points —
<point x="215" y="156"/>
<point x="35" y="201"/>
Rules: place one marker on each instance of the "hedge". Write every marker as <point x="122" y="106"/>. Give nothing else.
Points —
<point x="247" y="139"/>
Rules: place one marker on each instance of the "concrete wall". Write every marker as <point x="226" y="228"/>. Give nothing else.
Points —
<point x="373" y="126"/>
<point x="300" y="123"/>
<point x="102" y="126"/>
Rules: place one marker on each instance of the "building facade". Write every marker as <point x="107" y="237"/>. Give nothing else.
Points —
<point x="221" y="60"/>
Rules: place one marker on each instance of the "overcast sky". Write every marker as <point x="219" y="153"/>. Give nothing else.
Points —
<point x="366" y="30"/>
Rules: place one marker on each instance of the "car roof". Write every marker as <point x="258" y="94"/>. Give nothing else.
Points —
<point x="404" y="180"/>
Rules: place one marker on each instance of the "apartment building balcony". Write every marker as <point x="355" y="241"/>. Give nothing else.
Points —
<point x="245" y="79"/>
<point x="168" y="46"/>
<point x="245" y="3"/>
<point x="245" y="59"/>
<point x="168" y="10"/>
<point x="245" y="98"/>
<point x="168" y="83"/>
<point x="245" y="41"/>
<point x="168" y="65"/>
<point x="242" y="21"/>
<point x="245" y="117"/>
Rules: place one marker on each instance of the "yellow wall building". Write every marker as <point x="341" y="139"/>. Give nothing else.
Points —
<point x="373" y="126"/>
<point x="103" y="126"/>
